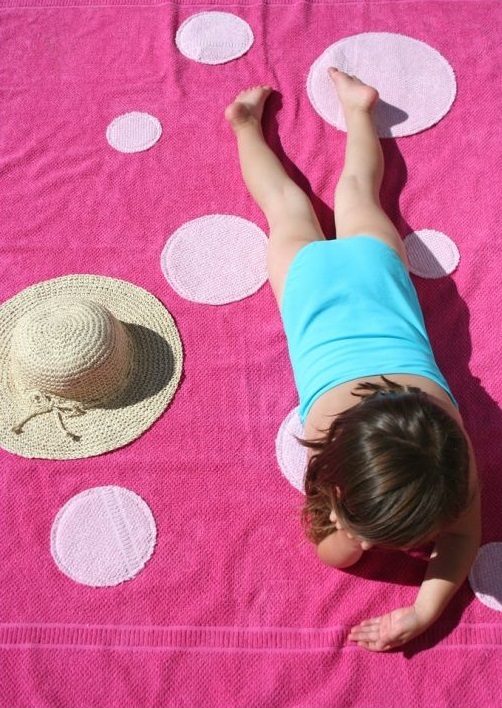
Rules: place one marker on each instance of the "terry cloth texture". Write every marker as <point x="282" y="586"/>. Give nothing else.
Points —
<point x="350" y="310"/>
<point x="431" y="254"/>
<point x="291" y="455"/>
<point x="214" y="37"/>
<point x="216" y="259"/>
<point x="486" y="575"/>
<point x="233" y="609"/>
<point x="103" y="536"/>
<point x="133" y="132"/>
<point x="400" y="66"/>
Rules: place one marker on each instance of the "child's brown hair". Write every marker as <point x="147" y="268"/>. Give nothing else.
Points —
<point x="394" y="468"/>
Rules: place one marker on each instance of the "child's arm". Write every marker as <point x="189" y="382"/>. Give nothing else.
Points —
<point x="448" y="567"/>
<point x="450" y="562"/>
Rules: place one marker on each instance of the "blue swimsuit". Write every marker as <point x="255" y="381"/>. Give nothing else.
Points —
<point x="350" y="310"/>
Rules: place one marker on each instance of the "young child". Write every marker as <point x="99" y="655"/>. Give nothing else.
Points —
<point x="390" y="463"/>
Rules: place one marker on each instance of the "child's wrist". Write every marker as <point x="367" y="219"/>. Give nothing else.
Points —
<point x="425" y="613"/>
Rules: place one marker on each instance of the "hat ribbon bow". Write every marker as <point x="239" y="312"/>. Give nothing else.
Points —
<point x="61" y="408"/>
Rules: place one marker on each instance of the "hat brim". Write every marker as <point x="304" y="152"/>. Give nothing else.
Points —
<point x="157" y="367"/>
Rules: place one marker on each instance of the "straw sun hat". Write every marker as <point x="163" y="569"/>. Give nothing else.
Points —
<point x="87" y="364"/>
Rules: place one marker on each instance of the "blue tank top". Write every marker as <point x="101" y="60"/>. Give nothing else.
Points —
<point x="350" y="310"/>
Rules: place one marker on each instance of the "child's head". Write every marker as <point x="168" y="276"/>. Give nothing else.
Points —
<point x="394" y="469"/>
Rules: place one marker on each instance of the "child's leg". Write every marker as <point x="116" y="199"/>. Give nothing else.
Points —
<point x="290" y="215"/>
<point x="357" y="202"/>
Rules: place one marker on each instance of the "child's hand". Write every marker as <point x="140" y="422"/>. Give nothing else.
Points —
<point x="389" y="631"/>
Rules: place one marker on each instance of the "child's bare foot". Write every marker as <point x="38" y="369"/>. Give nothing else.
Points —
<point x="248" y="107"/>
<point x="352" y="92"/>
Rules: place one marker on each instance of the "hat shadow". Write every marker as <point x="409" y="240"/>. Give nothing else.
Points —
<point x="153" y="367"/>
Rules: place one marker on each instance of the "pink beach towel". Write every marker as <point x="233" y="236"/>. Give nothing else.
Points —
<point x="230" y="608"/>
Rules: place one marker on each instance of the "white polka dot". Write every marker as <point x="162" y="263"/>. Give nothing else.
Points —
<point x="214" y="37"/>
<point x="103" y="536"/>
<point x="291" y="456"/>
<point x="431" y="254"/>
<point x="133" y="132"/>
<point x="216" y="259"/>
<point x="416" y="84"/>
<point x="485" y="577"/>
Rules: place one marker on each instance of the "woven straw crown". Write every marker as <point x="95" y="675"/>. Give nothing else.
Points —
<point x="76" y="350"/>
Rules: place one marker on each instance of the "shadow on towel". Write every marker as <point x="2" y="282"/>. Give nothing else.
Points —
<point x="448" y="323"/>
<point x="324" y="212"/>
<point x="387" y="116"/>
<point x="394" y="181"/>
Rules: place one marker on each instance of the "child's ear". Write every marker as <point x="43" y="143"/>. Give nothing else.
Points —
<point x="333" y="517"/>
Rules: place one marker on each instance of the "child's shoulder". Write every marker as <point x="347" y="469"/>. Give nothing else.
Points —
<point x="340" y="398"/>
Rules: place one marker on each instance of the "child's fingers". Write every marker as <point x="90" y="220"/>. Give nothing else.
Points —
<point x="366" y="634"/>
<point x="375" y="646"/>
<point x="373" y="622"/>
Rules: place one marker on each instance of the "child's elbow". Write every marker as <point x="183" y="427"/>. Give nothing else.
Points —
<point x="330" y="553"/>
